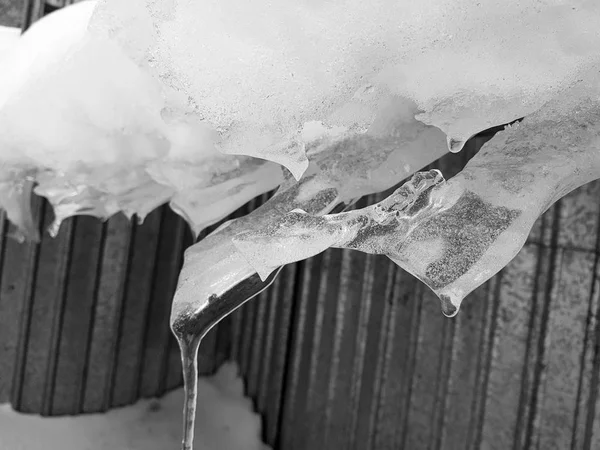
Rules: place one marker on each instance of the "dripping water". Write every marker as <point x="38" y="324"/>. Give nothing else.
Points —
<point x="448" y="308"/>
<point x="455" y="145"/>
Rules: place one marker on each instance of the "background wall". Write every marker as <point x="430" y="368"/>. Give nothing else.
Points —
<point x="344" y="351"/>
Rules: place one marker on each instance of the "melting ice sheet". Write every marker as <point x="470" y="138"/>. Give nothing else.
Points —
<point x="225" y="422"/>
<point x="8" y="38"/>
<point x="455" y="235"/>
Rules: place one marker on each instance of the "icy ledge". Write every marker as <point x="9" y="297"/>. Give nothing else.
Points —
<point x="117" y="108"/>
<point x="226" y="422"/>
<point x="454" y="235"/>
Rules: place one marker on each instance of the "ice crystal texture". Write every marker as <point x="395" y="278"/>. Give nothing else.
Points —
<point x="129" y="104"/>
<point x="258" y="71"/>
<point x="341" y="169"/>
<point x="455" y="235"/>
<point x="99" y="134"/>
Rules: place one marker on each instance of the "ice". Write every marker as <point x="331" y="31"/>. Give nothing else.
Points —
<point x="455" y="235"/>
<point x="394" y="146"/>
<point x="8" y="38"/>
<point x="15" y="199"/>
<point x="298" y="235"/>
<point x="20" y="59"/>
<point x="215" y="279"/>
<point x="343" y="166"/>
<point x="259" y="71"/>
<point x="226" y="422"/>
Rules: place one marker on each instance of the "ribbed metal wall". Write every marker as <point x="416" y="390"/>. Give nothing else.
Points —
<point x="345" y="351"/>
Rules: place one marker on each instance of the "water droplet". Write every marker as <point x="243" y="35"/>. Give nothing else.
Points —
<point x="455" y="145"/>
<point x="448" y="308"/>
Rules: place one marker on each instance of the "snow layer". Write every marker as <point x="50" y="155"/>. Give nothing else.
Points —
<point x="341" y="170"/>
<point x="225" y="422"/>
<point x="100" y="135"/>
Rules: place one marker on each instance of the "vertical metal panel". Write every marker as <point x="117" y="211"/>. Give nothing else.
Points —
<point x="77" y="315"/>
<point x="158" y="337"/>
<point x="39" y="344"/>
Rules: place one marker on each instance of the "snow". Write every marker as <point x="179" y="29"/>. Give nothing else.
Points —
<point x="8" y="38"/>
<point x="225" y="422"/>
<point x="100" y="135"/>
<point x="258" y="71"/>
<point x="341" y="169"/>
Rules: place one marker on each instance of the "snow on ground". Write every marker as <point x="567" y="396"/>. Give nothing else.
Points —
<point x="8" y="37"/>
<point x="225" y="421"/>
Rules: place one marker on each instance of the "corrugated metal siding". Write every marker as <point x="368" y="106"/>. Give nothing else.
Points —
<point x="345" y="351"/>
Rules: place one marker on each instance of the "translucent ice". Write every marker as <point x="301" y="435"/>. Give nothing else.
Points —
<point x="21" y="59"/>
<point x="455" y="235"/>
<point x="259" y="71"/>
<point x="15" y="199"/>
<point x="343" y="166"/>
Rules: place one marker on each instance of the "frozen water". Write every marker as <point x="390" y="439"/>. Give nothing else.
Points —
<point x="15" y="199"/>
<point x="394" y="146"/>
<point x="106" y="136"/>
<point x="213" y="267"/>
<point x="257" y="72"/>
<point x="226" y="422"/>
<point x="455" y="235"/>
<point x="22" y="59"/>
<point x="343" y="166"/>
